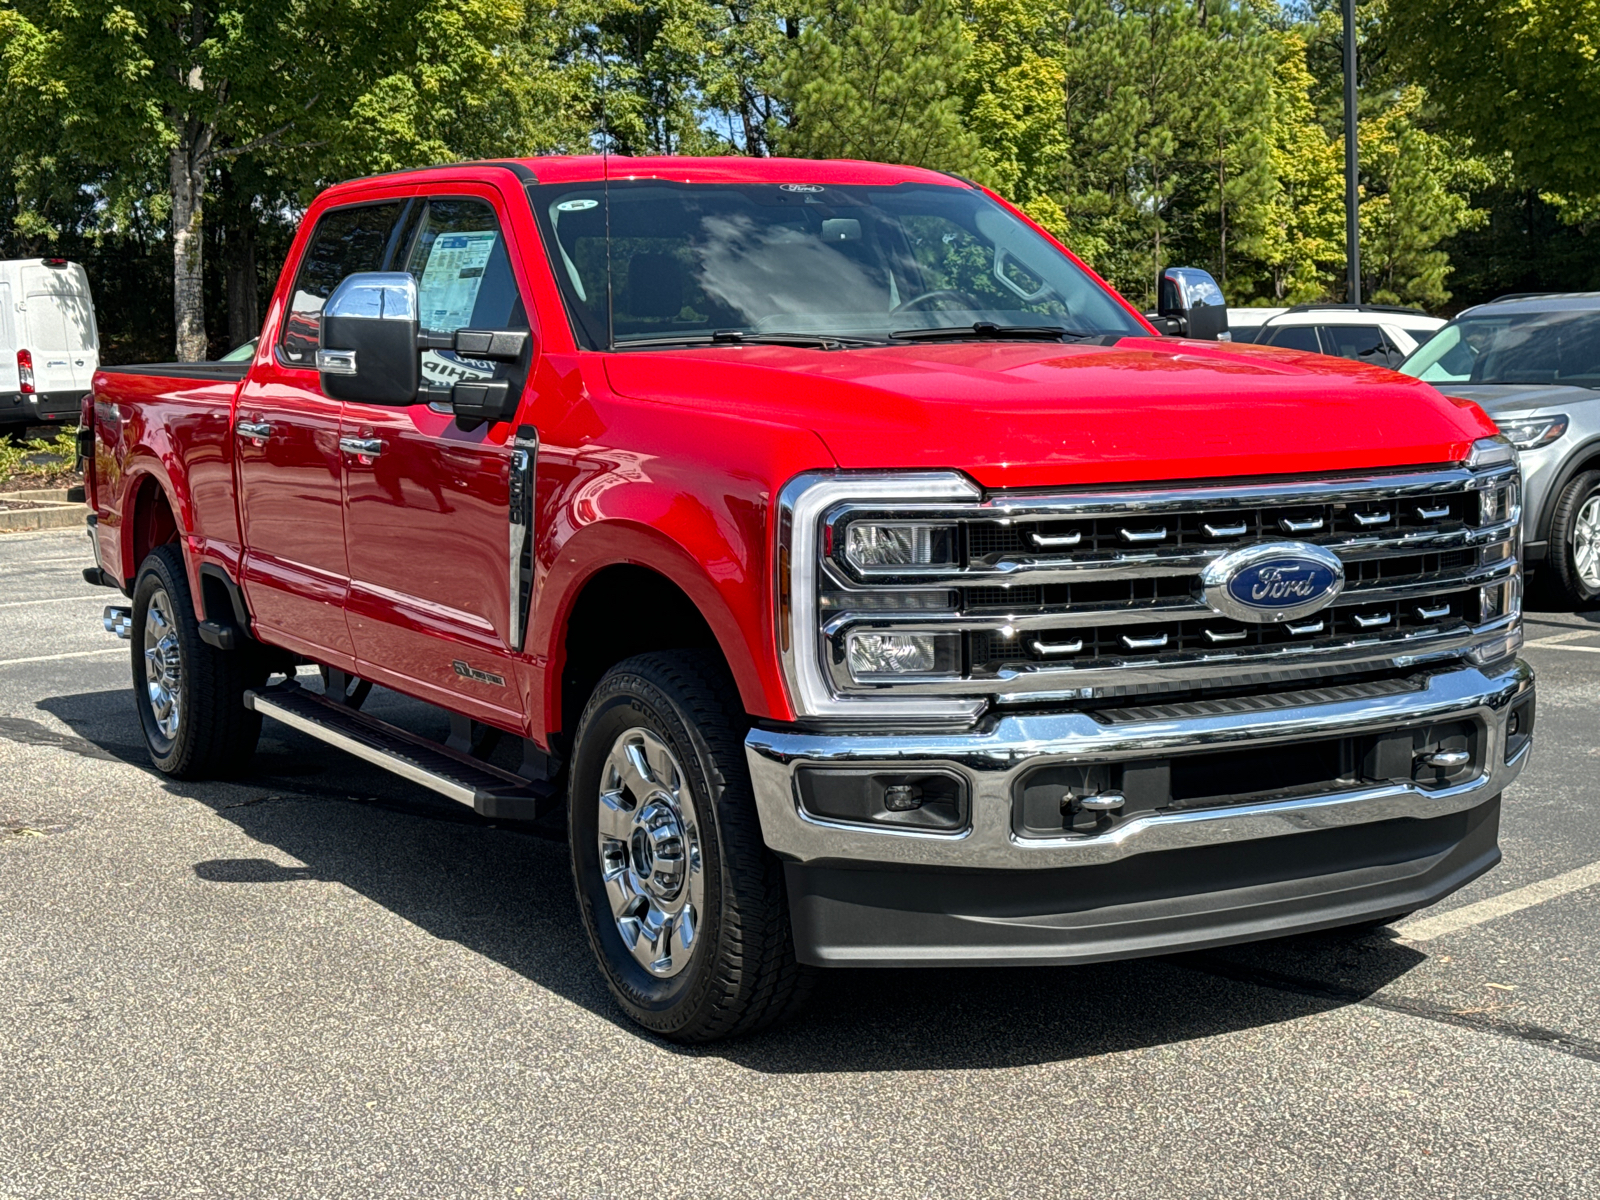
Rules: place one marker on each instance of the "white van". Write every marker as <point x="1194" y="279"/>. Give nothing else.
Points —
<point x="49" y="344"/>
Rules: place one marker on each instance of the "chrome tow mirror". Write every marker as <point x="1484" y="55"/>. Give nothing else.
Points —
<point x="367" y="347"/>
<point x="1190" y="304"/>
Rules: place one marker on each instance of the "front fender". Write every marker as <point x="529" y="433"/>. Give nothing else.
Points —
<point x="743" y="631"/>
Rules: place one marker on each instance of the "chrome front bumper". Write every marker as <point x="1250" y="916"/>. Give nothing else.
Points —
<point x="994" y="757"/>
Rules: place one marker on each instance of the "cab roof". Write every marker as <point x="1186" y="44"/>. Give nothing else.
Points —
<point x="587" y="168"/>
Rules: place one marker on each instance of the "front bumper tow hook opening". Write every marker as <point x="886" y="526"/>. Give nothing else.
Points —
<point x="1448" y="759"/>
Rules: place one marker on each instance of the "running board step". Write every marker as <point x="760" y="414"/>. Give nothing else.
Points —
<point x="489" y="790"/>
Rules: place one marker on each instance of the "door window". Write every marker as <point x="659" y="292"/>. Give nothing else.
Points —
<point x="463" y="272"/>
<point x="1295" y="337"/>
<point x="1363" y="343"/>
<point x="346" y="240"/>
<point x="464" y="281"/>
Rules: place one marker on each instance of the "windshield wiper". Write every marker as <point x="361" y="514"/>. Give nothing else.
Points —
<point x="984" y="330"/>
<point x="737" y="337"/>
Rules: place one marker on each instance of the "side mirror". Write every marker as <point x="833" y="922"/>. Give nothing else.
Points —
<point x="1191" y="305"/>
<point x="368" y="339"/>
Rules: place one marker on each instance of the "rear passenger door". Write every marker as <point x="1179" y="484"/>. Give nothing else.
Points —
<point x="286" y="445"/>
<point x="427" y="517"/>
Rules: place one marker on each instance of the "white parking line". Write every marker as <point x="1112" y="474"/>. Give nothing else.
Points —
<point x="1498" y="906"/>
<point x="12" y="662"/>
<point x="1574" y="649"/>
<point x="52" y="600"/>
<point x="1557" y="639"/>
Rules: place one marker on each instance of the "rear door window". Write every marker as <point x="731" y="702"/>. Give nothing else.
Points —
<point x="1362" y="343"/>
<point x="1294" y="337"/>
<point x="345" y="241"/>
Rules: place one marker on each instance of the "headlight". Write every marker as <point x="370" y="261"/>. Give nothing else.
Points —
<point x="871" y="544"/>
<point x="1500" y="599"/>
<point x="1499" y="503"/>
<point x="1529" y="433"/>
<point x="874" y="656"/>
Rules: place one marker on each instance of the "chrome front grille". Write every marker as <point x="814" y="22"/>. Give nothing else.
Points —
<point x="1094" y="593"/>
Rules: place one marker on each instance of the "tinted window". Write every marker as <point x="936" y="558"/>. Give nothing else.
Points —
<point x="690" y="260"/>
<point x="1524" y="347"/>
<point x="1363" y="343"/>
<point x="1294" y="337"/>
<point x="345" y="241"/>
<point x="1245" y="333"/>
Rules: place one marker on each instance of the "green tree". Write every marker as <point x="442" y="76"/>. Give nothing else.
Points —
<point x="178" y="90"/>
<point x="1301" y="241"/>
<point x="879" y="79"/>
<point x="1416" y="194"/>
<point x="1520" y="78"/>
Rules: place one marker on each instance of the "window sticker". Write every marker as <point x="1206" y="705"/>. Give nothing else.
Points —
<point x="451" y="280"/>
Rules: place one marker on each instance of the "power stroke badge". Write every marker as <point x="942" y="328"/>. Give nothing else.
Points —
<point x="1272" y="581"/>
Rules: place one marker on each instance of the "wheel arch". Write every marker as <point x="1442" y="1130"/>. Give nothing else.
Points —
<point x="622" y="589"/>
<point x="1585" y="458"/>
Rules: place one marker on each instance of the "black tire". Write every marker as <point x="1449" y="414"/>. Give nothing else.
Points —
<point x="740" y="973"/>
<point x="214" y="734"/>
<point x="1564" y="581"/>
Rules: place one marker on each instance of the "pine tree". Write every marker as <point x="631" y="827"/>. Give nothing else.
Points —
<point x="879" y="79"/>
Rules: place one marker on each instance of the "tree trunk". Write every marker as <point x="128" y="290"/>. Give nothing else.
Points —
<point x="187" y="169"/>
<point x="244" y="314"/>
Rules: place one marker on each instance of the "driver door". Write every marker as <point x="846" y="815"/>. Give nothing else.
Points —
<point x="427" y="517"/>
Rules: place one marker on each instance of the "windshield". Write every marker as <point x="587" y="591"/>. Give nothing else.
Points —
<point x="694" y="260"/>
<point x="1522" y="347"/>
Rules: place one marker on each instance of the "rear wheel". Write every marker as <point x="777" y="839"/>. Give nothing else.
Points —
<point x="190" y="695"/>
<point x="683" y="903"/>
<point x="1574" y="554"/>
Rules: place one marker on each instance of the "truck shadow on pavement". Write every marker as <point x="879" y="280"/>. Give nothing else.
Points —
<point x="507" y="895"/>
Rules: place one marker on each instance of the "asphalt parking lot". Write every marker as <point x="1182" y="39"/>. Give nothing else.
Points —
<point x="323" y="981"/>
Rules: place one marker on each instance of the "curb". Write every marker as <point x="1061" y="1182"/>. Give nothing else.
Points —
<point x="57" y="516"/>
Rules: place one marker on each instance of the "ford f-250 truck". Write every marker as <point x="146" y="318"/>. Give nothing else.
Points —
<point x="870" y="582"/>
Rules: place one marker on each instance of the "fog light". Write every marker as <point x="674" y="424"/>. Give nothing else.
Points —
<point x="898" y="655"/>
<point x="902" y="797"/>
<point x="900" y="544"/>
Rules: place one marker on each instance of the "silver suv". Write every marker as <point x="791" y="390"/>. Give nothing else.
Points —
<point x="1533" y="362"/>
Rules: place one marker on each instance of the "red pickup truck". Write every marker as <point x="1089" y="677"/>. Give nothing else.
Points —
<point x="869" y="581"/>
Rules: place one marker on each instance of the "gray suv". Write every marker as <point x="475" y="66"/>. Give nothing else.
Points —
<point x="1533" y="362"/>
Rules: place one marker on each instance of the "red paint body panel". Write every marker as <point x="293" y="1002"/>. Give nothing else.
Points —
<point x="671" y="460"/>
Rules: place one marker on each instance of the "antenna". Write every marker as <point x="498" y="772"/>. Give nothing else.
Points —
<point x="605" y="188"/>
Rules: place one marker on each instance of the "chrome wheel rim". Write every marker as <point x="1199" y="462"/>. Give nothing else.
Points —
<point x="1586" y="543"/>
<point x="163" y="665"/>
<point x="650" y="852"/>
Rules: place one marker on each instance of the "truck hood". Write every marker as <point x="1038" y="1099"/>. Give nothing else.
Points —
<point x="1030" y="414"/>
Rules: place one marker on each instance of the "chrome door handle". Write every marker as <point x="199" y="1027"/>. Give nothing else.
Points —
<point x="364" y="447"/>
<point x="256" y="431"/>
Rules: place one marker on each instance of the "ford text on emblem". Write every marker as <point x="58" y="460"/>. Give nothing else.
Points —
<point x="1272" y="581"/>
<point x="801" y="187"/>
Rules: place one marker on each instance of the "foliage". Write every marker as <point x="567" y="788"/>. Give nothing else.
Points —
<point x="1520" y="78"/>
<point x="39" y="460"/>
<point x="170" y="145"/>
<point x="878" y="79"/>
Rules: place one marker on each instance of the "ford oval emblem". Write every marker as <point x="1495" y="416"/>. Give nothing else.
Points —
<point x="1272" y="581"/>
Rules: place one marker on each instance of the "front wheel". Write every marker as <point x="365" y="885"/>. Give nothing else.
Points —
<point x="1574" y="551"/>
<point x="190" y="695"/>
<point x="683" y="903"/>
